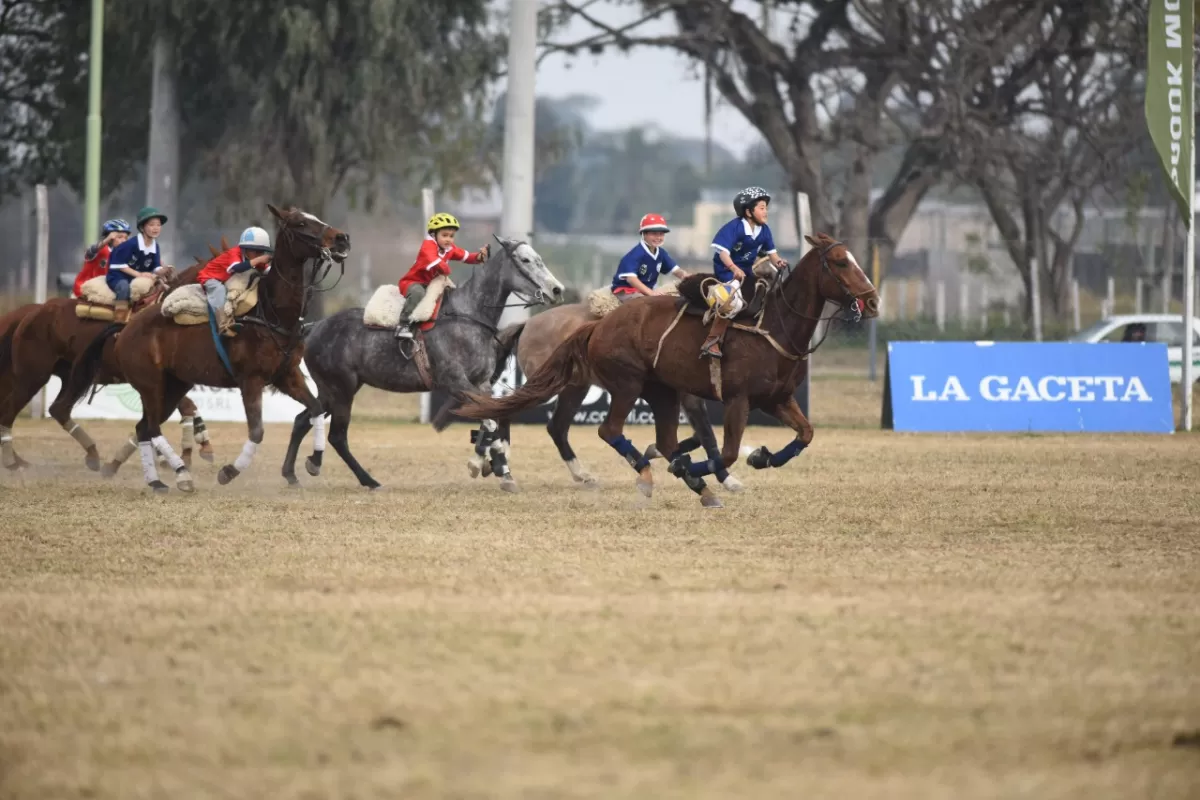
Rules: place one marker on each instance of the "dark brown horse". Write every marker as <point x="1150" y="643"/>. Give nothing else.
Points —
<point x="40" y="341"/>
<point x="651" y="348"/>
<point x="162" y="360"/>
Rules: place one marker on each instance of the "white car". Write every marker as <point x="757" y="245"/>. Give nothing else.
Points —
<point x="1166" y="328"/>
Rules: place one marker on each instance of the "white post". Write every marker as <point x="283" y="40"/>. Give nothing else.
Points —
<point x="1110" y="302"/>
<point x="920" y="299"/>
<point x="26" y="249"/>
<point x="1075" y="304"/>
<point x="428" y="204"/>
<point x="883" y="306"/>
<point x="1189" y="307"/>
<point x="364" y="280"/>
<point x="162" y="158"/>
<point x="1007" y="316"/>
<point x="1035" y="298"/>
<point x="983" y="307"/>
<point x="964" y="303"/>
<point x="1137" y="295"/>
<point x="939" y="309"/>
<point x="41" y="269"/>
<point x="516" y="218"/>
<point x="804" y="225"/>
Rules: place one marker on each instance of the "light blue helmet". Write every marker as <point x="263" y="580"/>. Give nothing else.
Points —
<point x="117" y="225"/>
<point x="255" y="238"/>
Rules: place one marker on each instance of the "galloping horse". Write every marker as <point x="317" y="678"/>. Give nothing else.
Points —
<point x="40" y="341"/>
<point x="162" y="359"/>
<point x="462" y="353"/>
<point x="537" y="339"/>
<point x="649" y="348"/>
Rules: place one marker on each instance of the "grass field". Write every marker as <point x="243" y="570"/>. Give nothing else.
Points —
<point x="889" y="616"/>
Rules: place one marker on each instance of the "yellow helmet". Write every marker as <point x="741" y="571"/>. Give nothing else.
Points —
<point x="439" y="221"/>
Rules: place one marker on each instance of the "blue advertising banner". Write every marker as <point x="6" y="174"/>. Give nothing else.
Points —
<point x="1026" y="386"/>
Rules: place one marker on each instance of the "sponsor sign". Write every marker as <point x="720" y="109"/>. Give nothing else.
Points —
<point x="1020" y="386"/>
<point x="120" y="401"/>
<point x="595" y="405"/>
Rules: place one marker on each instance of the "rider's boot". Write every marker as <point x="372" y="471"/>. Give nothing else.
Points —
<point x="226" y="325"/>
<point x="121" y="312"/>
<point x="712" y="345"/>
<point x="404" y="330"/>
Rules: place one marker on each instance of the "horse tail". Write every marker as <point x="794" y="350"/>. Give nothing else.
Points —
<point x="566" y="365"/>
<point x="506" y="343"/>
<point x="87" y="364"/>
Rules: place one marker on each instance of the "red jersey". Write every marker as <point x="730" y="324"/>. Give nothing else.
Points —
<point x="95" y="264"/>
<point x="432" y="261"/>
<point x="218" y="269"/>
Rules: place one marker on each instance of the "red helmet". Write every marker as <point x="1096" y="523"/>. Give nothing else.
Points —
<point x="653" y="222"/>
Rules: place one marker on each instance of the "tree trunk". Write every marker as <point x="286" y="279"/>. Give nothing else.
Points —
<point x="918" y="173"/>
<point x="162" y="163"/>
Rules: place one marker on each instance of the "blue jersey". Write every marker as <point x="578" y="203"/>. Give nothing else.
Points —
<point x="744" y="245"/>
<point x="135" y="254"/>
<point x="644" y="265"/>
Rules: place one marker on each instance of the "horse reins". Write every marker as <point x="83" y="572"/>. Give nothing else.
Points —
<point x="855" y="305"/>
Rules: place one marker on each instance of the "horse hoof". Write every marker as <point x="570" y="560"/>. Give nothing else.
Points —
<point x="227" y="474"/>
<point x="507" y="484"/>
<point x="294" y="483"/>
<point x="206" y="452"/>
<point x="586" y="478"/>
<point x="187" y="487"/>
<point x="110" y="469"/>
<point x="645" y="487"/>
<point x="653" y="452"/>
<point x="710" y="500"/>
<point x="733" y="485"/>
<point x="159" y="487"/>
<point x="375" y="488"/>
<point x="475" y="466"/>
<point x="92" y="463"/>
<point x="312" y="467"/>
<point x="487" y="469"/>
<point x="759" y="459"/>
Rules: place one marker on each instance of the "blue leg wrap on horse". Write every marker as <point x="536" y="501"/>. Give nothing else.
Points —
<point x="789" y="452"/>
<point x="700" y="469"/>
<point x="630" y="453"/>
<point x="714" y="455"/>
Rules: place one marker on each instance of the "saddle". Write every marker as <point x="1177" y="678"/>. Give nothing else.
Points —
<point x="383" y="309"/>
<point x="97" y="301"/>
<point x="188" y="304"/>
<point x="602" y="302"/>
<point x="693" y="302"/>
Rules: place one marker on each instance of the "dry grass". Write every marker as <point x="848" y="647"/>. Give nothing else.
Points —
<point x="889" y="616"/>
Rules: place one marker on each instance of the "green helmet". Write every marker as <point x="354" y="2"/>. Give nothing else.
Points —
<point x="148" y="213"/>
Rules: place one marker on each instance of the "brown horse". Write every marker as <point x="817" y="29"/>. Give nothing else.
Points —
<point x="650" y="348"/>
<point x="538" y="339"/>
<point x="40" y="341"/>
<point x="162" y="360"/>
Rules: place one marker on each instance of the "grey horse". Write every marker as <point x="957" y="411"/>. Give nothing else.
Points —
<point x="464" y="350"/>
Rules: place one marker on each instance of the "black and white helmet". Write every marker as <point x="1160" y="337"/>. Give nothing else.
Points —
<point x="747" y="198"/>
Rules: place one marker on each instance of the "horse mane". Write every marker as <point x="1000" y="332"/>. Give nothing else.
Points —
<point x="188" y="274"/>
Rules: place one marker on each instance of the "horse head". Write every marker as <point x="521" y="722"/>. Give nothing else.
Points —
<point x="304" y="236"/>
<point x="832" y="270"/>
<point x="526" y="274"/>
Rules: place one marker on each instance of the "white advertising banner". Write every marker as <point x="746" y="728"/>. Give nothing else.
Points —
<point x="120" y="401"/>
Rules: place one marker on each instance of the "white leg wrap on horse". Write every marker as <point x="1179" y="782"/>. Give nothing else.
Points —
<point x="129" y="448"/>
<point x="6" y="446"/>
<point x="148" y="467"/>
<point x="202" y="436"/>
<point x="161" y="444"/>
<point x="318" y="423"/>
<point x="189" y="433"/>
<point x="242" y="462"/>
<point x="78" y="434"/>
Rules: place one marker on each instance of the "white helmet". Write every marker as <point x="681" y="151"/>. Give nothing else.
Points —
<point x="256" y="239"/>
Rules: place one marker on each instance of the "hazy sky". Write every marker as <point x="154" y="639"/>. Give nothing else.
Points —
<point x="646" y="85"/>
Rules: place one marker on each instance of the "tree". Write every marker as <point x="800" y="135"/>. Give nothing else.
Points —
<point x="1064" y="140"/>
<point x="837" y="73"/>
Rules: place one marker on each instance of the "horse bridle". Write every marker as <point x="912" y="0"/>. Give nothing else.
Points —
<point x="854" y="307"/>
<point x="537" y="299"/>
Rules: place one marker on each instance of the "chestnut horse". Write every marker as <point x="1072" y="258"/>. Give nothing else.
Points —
<point x="162" y="360"/>
<point x="38" y="341"/>
<point x="650" y="348"/>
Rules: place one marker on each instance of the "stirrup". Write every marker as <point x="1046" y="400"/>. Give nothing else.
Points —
<point x="404" y="332"/>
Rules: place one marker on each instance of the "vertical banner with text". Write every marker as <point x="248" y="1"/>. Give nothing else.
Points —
<point x="1170" y="73"/>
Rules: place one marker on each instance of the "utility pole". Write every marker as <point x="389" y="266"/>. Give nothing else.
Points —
<point x="162" y="162"/>
<point x="91" y="193"/>
<point x="516" y="219"/>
